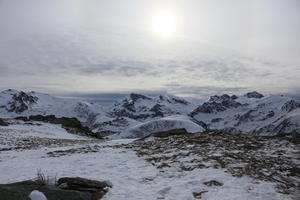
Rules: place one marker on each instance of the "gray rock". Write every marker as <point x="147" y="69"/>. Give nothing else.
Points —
<point x="82" y="184"/>
<point x="67" y="189"/>
<point x="3" y="123"/>
<point x="21" y="190"/>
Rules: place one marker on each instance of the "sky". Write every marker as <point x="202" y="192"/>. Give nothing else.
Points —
<point x="103" y="49"/>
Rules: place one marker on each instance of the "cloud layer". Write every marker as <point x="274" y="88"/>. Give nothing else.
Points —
<point x="87" y="49"/>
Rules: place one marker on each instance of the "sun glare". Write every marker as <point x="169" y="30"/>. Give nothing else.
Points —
<point x="164" y="24"/>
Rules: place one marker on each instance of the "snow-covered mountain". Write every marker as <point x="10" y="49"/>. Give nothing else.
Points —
<point x="137" y="115"/>
<point x="15" y="103"/>
<point x="252" y="113"/>
<point x="137" y="109"/>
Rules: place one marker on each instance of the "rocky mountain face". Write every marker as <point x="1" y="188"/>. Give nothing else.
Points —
<point x="137" y="109"/>
<point x="251" y="113"/>
<point x="19" y="101"/>
<point x="217" y="104"/>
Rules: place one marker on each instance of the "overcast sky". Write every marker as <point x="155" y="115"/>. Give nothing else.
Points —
<point x="109" y="46"/>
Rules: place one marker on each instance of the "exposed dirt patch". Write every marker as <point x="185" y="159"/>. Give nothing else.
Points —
<point x="86" y="149"/>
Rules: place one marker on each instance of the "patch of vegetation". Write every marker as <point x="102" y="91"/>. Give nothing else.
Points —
<point x="42" y="179"/>
<point x="86" y="149"/>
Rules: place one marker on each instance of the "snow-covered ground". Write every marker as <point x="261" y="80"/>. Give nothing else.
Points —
<point x="39" y="129"/>
<point x="131" y="175"/>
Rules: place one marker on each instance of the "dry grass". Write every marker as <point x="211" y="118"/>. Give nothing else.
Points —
<point x="42" y="179"/>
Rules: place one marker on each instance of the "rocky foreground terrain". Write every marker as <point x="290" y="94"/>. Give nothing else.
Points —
<point x="208" y="165"/>
<point x="261" y="158"/>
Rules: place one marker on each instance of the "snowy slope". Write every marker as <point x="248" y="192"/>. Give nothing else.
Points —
<point x="163" y="124"/>
<point x="24" y="135"/>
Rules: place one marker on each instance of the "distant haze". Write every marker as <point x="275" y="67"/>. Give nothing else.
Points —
<point x="105" y="47"/>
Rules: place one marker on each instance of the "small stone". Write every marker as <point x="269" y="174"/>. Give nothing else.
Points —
<point x="213" y="183"/>
<point x="198" y="195"/>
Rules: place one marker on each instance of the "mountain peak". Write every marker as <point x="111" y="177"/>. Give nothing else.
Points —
<point x="135" y="97"/>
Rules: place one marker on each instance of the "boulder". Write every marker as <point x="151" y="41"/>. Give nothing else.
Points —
<point x="3" y="123"/>
<point x="82" y="184"/>
<point x="22" y="190"/>
<point x="67" y="188"/>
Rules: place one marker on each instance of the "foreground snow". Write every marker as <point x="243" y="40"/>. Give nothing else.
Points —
<point x="39" y="129"/>
<point x="132" y="177"/>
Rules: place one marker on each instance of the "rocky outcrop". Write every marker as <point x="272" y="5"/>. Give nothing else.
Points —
<point x="290" y="106"/>
<point x="20" y="102"/>
<point x="254" y="94"/>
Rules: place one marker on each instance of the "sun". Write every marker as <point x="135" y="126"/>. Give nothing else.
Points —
<point x="164" y="23"/>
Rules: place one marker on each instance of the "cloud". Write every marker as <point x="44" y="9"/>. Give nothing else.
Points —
<point x="106" y="98"/>
<point x="116" y="67"/>
<point x="203" y="91"/>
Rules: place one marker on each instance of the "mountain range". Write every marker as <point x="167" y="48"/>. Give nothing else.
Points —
<point x="139" y="115"/>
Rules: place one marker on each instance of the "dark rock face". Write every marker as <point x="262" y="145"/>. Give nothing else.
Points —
<point x="216" y="120"/>
<point x="254" y="94"/>
<point x="170" y="132"/>
<point x="180" y="101"/>
<point x="246" y="117"/>
<point x="290" y="105"/>
<point x="217" y="104"/>
<point x="130" y="114"/>
<point x="157" y="109"/>
<point x="20" y="102"/>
